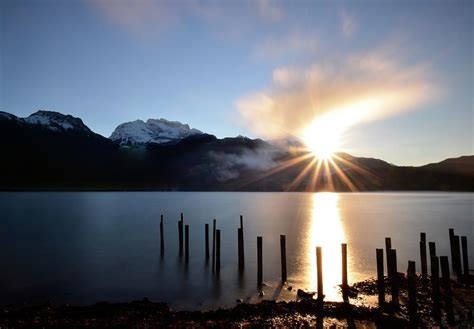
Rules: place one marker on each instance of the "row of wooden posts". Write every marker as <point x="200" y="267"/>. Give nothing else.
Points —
<point x="241" y="255"/>
<point x="435" y="262"/>
<point x="392" y="272"/>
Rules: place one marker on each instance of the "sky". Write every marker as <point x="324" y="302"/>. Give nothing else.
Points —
<point x="393" y="79"/>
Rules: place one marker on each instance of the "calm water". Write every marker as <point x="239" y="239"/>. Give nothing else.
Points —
<point x="87" y="247"/>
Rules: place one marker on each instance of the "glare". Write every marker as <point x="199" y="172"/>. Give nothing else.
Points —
<point x="326" y="231"/>
<point x="323" y="137"/>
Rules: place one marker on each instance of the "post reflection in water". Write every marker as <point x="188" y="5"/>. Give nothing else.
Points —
<point x="325" y="230"/>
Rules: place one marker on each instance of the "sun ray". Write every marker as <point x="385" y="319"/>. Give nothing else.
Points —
<point x="294" y="184"/>
<point x="327" y="170"/>
<point x="280" y="167"/>
<point x="358" y="168"/>
<point x="343" y="176"/>
<point x="314" y="178"/>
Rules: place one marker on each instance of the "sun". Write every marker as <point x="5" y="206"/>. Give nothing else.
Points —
<point x="322" y="137"/>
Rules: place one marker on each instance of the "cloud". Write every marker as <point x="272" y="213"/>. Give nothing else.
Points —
<point x="230" y="165"/>
<point x="154" y="17"/>
<point x="140" y="17"/>
<point x="348" y="23"/>
<point x="295" y="43"/>
<point x="270" y="9"/>
<point x="346" y="91"/>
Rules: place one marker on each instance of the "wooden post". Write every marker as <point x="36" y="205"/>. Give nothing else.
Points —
<point x="213" y="245"/>
<point x="218" y="251"/>
<point x="451" y="244"/>
<point x="446" y="283"/>
<point x="319" y="265"/>
<point x="388" y="246"/>
<point x="432" y="248"/>
<point x="457" y="258"/>
<point x="283" y="257"/>
<point x="242" y="252"/>
<point x="412" y="304"/>
<point x="435" y="289"/>
<point x="424" y="264"/>
<point x="206" y="238"/>
<point x="186" y="243"/>
<point x="259" y="262"/>
<point x="162" y="236"/>
<point x="180" y="235"/>
<point x="465" y="261"/>
<point x="240" y="248"/>
<point x="344" y="267"/>
<point x="380" y="277"/>
<point x="394" y="276"/>
<point x="423" y="236"/>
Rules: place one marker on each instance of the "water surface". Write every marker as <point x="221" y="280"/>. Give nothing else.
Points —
<point x="86" y="247"/>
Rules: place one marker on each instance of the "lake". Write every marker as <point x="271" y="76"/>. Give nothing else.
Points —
<point x="85" y="247"/>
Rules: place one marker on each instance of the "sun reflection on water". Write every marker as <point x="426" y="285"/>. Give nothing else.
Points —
<point x="325" y="230"/>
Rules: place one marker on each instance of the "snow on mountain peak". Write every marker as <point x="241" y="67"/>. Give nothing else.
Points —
<point x="151" y="131"/>
<point x="56" y="121"/>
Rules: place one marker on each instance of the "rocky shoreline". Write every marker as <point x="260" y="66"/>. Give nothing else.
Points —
<point x="268" y="313"/>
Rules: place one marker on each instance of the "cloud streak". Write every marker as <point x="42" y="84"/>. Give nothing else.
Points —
<point x="348" y="23"/>
<point x="347" y="91"/>
<point x="153" y="17"/>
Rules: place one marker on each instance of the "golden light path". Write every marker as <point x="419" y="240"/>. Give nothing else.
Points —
<point x="325" y="230"/>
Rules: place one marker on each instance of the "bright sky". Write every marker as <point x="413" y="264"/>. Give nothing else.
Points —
<point x="397" y="75"/>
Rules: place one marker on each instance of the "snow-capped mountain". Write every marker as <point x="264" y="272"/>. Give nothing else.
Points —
<point x="51" y="120"/>
<point x="152" y="131"/>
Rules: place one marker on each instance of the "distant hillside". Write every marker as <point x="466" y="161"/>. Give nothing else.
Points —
<point x="52" y="151"/>
<point x="463" y="165"/>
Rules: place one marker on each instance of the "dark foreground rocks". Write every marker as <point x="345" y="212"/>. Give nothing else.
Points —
<point x="307" y="312"/>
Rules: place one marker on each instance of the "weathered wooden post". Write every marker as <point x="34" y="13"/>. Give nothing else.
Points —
<point x="213" y="245"/>
<point x="451" y="244"/>
<point x="162" y="236"/>
<point x="423" y="236"/>
<point x="259" y="262"/>
<point x="240" y="248"/>
<point x="218" y="251"/>
<point x="186" y="243"/>
<point x="206" y="238"/>
<point x="380" y="277"/>
<point x="283" y="257"/>
<point x="180" y="234"/>
<point x="344" y="267"/>
<point x="432" y="248"/>
<point x="435" y="289"/>
<point x="424" y="264"/>
<point x="465" y="261"/>
<point x="388" y="246"/>
<point x="412" y="304"/>
<point x="393" y="272"/>
<point x="319" y="265"/>
<point x="446" y="283"/>
<point x="242" y="252"/>
<point x="457" y="257"/>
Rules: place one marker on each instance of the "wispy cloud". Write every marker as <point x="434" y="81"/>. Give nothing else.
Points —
<point x="348" y="23"/>
<point x="271" y="9"/>
<point x="153" y="17"/>
<point x="295" y="43"/>
<point x="354" y="89"/>
<point x="140" y="17"/>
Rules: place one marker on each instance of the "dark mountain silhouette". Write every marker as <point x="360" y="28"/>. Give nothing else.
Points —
<point x="52" y="151"/>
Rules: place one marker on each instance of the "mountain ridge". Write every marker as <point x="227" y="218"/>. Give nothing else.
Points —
<point x="52" y="155"/>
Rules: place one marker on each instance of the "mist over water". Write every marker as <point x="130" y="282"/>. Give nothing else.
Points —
<point x="86" y="247"/>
